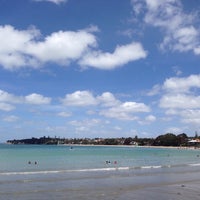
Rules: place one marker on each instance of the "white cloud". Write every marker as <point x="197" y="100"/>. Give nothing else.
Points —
<point x="172" y="111"/>
<point x="108" y="99"/>
<point x="181" y="98"/>
<point x="150" y="118"/>
<point x="28" y="48"/>
<point x="9" y="98"/>
<point x="37" y="99"/>
<point x="180" y="101"/>
<point x="86" y="122"/>
<point x="79" y="98"/>
<point x="181" y="94"/>
<point x="6" y="107"/>
<point x="121" y="56"/>
<point x="137" y="6"/>
<point x="22" y="48"/>
<point x="107" y="105"/>
<point x="191" y="116"/>
<point x="180" y="34"/>
<point x="197" y="50"/>
<point x="62" y="47"/>
<point x="53" y="1"/>
<point x="125" y="111"/>
<point x="13" y="46"/>
<point x="134" y="107"/>
<point x="13" y="40"/>
<point x="182" y="84"/>
<point x="186" y="38"/>
<point x="147" y="120"/>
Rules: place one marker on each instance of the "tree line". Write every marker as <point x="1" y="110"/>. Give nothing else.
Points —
<point x="168" y="139"/>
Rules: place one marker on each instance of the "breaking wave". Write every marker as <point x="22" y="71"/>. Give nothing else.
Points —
<point x="97" y="169"/>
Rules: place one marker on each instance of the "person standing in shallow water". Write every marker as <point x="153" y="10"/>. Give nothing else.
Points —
<point x="29" y="162"/>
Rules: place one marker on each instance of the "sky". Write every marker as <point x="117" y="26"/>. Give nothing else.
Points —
<point x="98" y="68"/>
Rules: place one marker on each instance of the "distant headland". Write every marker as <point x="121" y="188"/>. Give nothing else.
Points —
<point x="168" y="139"/>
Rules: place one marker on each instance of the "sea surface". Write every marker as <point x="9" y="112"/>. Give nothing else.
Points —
<point x="54" y="171"/>
<point x="54" y="158"/>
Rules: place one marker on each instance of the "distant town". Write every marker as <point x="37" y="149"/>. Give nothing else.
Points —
<point x="169" y="139"/>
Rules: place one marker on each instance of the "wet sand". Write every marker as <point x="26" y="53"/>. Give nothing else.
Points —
<point x="165" y="183"/>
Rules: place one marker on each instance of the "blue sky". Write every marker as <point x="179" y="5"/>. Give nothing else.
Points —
<point x="97" y="68"/>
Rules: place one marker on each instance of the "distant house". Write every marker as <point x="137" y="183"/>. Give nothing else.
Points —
<point x="194" y="142"/>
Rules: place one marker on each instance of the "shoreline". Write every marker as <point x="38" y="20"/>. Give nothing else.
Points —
<point x="129" y="146"/>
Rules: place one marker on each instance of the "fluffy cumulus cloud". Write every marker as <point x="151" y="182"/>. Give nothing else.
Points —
<point x="107" y="104"/>
<point x="21" y="48"/>
<point x="122" y="55"/>
<point x="107" y="99"/>
<point x="180" y="101"/>
<point x="13" y="46"/>
<point x="181" y="98"/>
<point x="28" y="48"/>
<point x="37" y="99"/>
<point x="79" y="98"/>
<point x="53" y="1"/>
<point x="62" y="47"/>
<point x="8" y="100"/>
<point x="180" y="33"/>
<point x="125" y="111"/>
<point x="104" y="105"/>
<point x="191" y="116"/>
<point x="86" y="98"/>
<point x="180" y="92"/>
<point x="182" y="84"/>
<point x="147" y="120"/>
<point x="150" y="118"/>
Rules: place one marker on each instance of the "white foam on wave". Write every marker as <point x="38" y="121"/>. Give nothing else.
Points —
<point x="92" y="170"/>
<point x="66" y="171"/>
<point x="123" y="168"/>
<point x="151" y="167"/>
<point x="29" y="173"/>
<point x="63" y="171"/>
<point x="194" y="165"/>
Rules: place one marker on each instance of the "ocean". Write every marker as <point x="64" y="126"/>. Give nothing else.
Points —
<point x="90" y="172"/>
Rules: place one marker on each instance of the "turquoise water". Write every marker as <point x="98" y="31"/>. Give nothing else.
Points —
<point x="96" y="172"/>
<point x="53" y="159"/>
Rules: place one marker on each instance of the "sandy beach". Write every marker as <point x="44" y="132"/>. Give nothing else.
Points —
<point x="139" y="184"/>
<point x="132" y="146"/>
